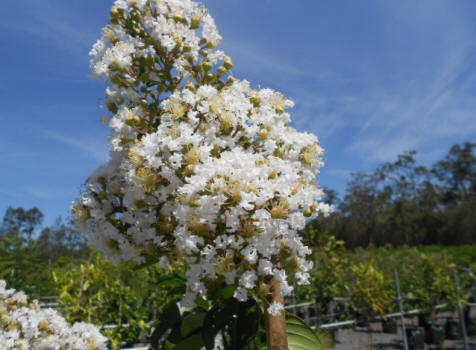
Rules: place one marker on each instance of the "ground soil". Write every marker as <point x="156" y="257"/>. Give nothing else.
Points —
<point x="361" y="338"/>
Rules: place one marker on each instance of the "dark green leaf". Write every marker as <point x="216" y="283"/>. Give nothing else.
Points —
<point x="228" y="292"/>
<point x="192" y="322"/>
<point x="194" y="342"/>
<point x="169" y="318"/>
<point x="237" y="322"/>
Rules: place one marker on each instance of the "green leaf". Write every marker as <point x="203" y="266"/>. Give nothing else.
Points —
<point x="172" y="281"/>
<point x="176" y="277"/>
<point x="203" y="303"/>
<point x="302" y="337"/>
<point x="228" y="292"/>
<point x="192" y="322"/>
<point x="194" y="342"/>
<point x="169" y="318"/>
<point x="237" y="322"/>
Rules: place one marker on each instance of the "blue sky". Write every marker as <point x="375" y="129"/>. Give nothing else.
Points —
<point x="370" y="78"/>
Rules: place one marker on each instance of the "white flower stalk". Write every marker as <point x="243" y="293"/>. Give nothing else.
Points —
<point x="203" y="167"/>
<point x="25" y="326"/>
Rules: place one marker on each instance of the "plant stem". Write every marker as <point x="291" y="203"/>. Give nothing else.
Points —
<point x="275" y="325"/>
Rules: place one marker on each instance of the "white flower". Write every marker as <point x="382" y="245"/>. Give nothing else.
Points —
<point x="251" y="254"/>
<point x="37" y="329"/>
<point x="241" y="294"/>
<point x="275" y="308"/>
<point x="210" y="171"/>
<point x="265" y="267"/>
<point x="248" y="279"/>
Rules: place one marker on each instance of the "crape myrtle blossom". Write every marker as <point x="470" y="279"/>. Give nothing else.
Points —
<point x="25" y="326"/>
<point x="203" y="167"/>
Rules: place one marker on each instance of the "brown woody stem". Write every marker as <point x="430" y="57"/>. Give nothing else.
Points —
<point x="275" y="325"/>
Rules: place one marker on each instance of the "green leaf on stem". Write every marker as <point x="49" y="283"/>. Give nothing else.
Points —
<point x="302" y="337"/>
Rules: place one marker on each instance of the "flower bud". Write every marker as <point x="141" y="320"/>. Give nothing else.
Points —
<point x="190" y="85"/>
<point x="133" y="120"/>
<point x="194" y="202"/>
<point x="231" y="80"/>
<point x="15" y="326"/>
<point x="43" y="326"/>
<point x="4" y="319"/>
<point x="314" y="206"/>
<point x="178" y="40"/>
<point x="274" y="174"/>
<point x="144" y="104"/>
<point x="262" y="162"/>
<point x="189" y="170"/>
<point x="179" y="16"/>
<point x="207" y="65"/>
<point x="196" y="21"/>
<point x="202" y="127"/>
<point x="197" y="227"/>
<point x="174" y="132"/>
<point x="280" y="152"/>
<point x="255" y="100"/>
<point x="212" y="44"/>
<point x="263" y="134"/>
<point x="228" y="64"/>
<point x="279" y="106"/>
<point x="193" y="156"/>
<point x="222" y="70"/>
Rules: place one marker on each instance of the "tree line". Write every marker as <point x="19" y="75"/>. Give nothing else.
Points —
<point x="406" y="203"/>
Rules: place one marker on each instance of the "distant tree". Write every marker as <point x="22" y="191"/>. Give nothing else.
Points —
<point x="365" y="199"/>
<point x="403" y="181"/>
<point x="61" y="239"/>
<point x="402" y="202"/>
<point x="457" y="174"/>
<point x="331" y="196"/>
<point x="18" y="222"/>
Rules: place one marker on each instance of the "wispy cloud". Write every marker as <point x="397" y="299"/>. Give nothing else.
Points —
<point x="422" y="117"/>
<point x="344" y="173"/>
<point x="38" y="192"/>
<point x="93" y="148"/>
<point x="48" y="21"/>
<point x="413" y="89"/>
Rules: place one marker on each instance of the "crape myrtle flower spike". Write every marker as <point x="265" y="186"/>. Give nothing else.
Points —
<point x="25" y="326"/>
<point x="203" y="168"/>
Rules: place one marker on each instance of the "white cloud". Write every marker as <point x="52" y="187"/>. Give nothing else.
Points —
<point x="38" y="192"/>
<point x="91" y="147"/>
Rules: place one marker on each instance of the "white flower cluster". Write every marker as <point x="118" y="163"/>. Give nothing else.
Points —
<point x="27" y="327"/>
<point x="203" y="167"/>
